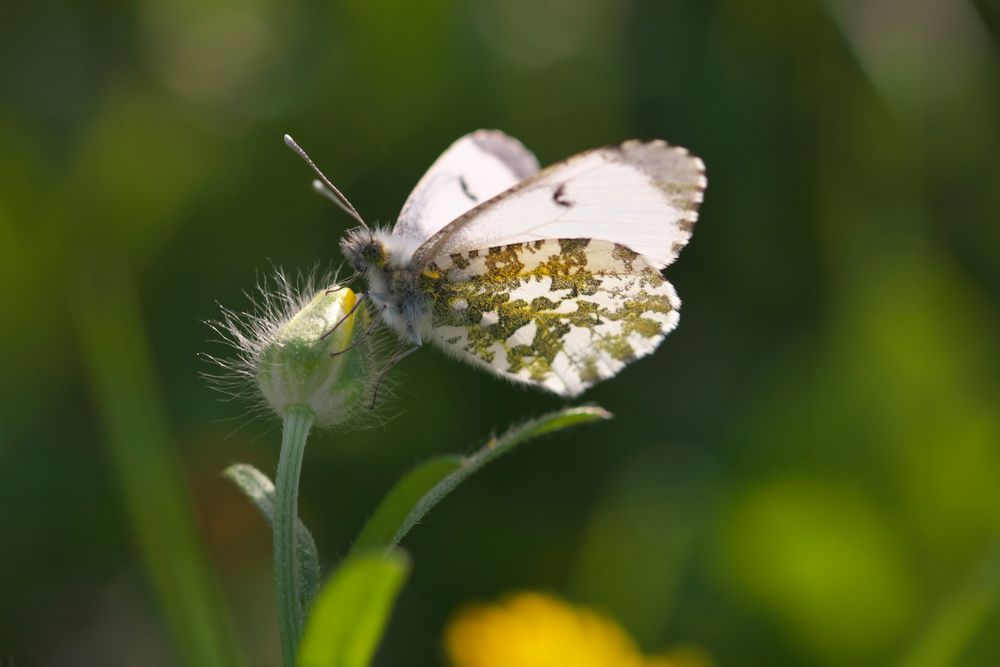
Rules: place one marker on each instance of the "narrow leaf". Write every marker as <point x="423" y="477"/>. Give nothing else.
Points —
<point x="143" y="456"/>
<point x="260" y="490"/>
<point x="381" y="529"/>
<point x="352" y="610"/>
<point x="424" y="487"/>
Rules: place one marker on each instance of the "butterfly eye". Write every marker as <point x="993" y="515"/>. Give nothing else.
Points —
<point x="371" y="253"/>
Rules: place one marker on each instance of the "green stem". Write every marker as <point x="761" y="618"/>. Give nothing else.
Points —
<point x="298" y="420"/>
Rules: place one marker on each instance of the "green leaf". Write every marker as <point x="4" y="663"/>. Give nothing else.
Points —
<point x="381" y="529"/>
<point x="143" y="456"/>
<point x="424" y="487"/>
<point x="352" y="610"/>
<point x="260" y="490"/>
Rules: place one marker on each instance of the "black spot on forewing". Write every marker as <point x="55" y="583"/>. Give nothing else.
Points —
<point x="559" y="196"/>
<point x="465" y="189"/>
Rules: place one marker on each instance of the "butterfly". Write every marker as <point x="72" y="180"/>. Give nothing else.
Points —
<point x="547" y="277"/>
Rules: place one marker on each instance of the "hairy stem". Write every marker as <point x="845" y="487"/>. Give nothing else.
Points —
<point x="297" y="422"/>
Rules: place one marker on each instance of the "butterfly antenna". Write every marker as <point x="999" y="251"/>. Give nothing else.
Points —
<point x="323" y="184"/>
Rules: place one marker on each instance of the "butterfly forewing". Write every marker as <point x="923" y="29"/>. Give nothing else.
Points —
<point x="474" y="169"/>
<point x="642" y="195"/>
<point x="561" y="314"/>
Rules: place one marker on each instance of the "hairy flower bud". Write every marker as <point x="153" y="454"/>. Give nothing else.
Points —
<point x="304" y="347"/>
<point x="313" y="360"/>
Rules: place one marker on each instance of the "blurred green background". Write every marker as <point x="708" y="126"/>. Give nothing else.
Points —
<point x="806" y="473"/>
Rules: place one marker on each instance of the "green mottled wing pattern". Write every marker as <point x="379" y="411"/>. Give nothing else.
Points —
<point x="560" y="314"/>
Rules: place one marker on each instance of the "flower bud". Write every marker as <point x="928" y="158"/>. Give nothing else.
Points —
<point x="302" y="346"/>
<point x="317" y="358"/>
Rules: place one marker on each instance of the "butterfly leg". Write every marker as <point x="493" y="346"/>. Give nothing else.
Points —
<point x="357" y="303"/>
<point x="412" y="310"/>
<point x="385" y="371"/>
<point x="345" y="283"/>
<point x="368" y="330"/>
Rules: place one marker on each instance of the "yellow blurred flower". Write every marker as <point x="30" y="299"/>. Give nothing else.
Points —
<point x="535" y="630"/>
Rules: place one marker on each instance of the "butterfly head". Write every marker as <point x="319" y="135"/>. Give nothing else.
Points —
<point x="363" y="250"/>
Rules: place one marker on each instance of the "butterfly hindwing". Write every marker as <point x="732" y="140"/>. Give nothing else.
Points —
<point x="561" y="314"/>
<point x="474" y="169"/>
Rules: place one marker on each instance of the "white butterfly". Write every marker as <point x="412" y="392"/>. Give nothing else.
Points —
<point x="550" y="278"/>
